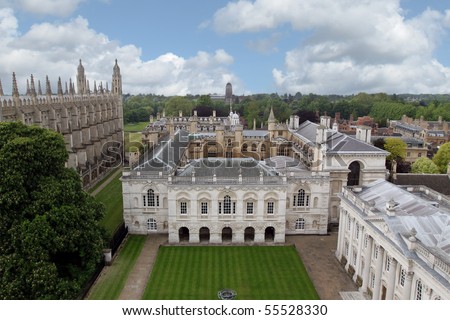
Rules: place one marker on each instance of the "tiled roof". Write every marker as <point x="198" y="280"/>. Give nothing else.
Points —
<point x="437" y="182"/>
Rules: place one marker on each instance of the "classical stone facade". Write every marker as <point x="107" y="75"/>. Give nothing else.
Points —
<point x="91" y="121"/>
<point x="394" y="241"/>
<point x="209" y="180"/>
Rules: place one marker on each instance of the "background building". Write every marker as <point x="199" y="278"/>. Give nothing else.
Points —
<point x="209" y="180"/>
<point x="91" y="121"/>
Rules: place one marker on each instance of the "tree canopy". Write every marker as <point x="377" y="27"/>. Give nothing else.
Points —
<point x="50" y="238"/>
<point x="424" y="165"/>
<point x="442" y="157"/>
<point x="396" y="147"/>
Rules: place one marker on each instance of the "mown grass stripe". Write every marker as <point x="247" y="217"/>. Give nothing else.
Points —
<point x="254" y="272"/>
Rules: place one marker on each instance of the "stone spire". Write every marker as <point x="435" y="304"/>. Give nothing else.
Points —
<point x="32" y="87"/>
<point x="271" y="116"/>
<point x="48" y="88"/>
<point x="67" y="89"/>
<point x="88" y="88"/>
<point x="1" y="89"/>
<point x="15" y="89"/>
<point x="95" y="87"/>
<point x="39" y="88"/>
<point x="81" y="79"/>
<point x="116" y="80"/>
<point x="71" y="87"/>
<point x="60" y="91"/>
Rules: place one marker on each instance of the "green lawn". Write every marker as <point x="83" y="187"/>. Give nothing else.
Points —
<point x="135" y="127"/>
<point x="255" y="273"/>
<point x="111" y="197"/>
<point x="110" y="285"/>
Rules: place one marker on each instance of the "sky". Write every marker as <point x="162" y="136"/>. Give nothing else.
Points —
<point x="179" y="47"/>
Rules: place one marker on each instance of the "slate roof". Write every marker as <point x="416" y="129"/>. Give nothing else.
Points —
<point x="226" y="167"/>
<point x="166" y="155"/>
<point x="414" y="210"/>
<point x="437" y="182"/>
<point x="337" y="142"/>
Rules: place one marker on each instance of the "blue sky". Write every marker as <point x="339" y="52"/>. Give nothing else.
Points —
<point x="177" y="47"/>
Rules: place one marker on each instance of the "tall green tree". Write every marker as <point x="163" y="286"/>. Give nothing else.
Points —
<point x="397" y="149"/>
<point x="175" y="104"/>
<point x="442" y="157"/>
<point x="424" y="165"/>
<point x="50" y="237"/>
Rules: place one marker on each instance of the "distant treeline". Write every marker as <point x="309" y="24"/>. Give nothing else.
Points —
<point x="380" y="106"/>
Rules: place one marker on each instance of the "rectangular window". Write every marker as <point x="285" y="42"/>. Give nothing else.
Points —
<point x="366" y="240"/>
<point x="220" y="207"/>
<point x="357" y="231"/>
<point x="375" y="252"/>
<point x="346" y="249"/>
<point x="354" y="256"/>
<point x="372" y="279"/>
<point x="270" y="207"/>
<point x="234" y="207"/>
<point x="419" y="289"/>
<point x="183" y="207"/>
<point x="402" y="277"/>
<point x="204" y="208"/>
<point x="249" y="207"/>
<point x="388" y="263"/>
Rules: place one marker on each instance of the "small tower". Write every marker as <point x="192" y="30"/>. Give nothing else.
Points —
<point x="33" y="87"/>
<point x="116" y="80"/>
<point x="1" y="89"/>
<point x="228" y="93"/>
<point x="48" y="88"/>
<point x="81" y="79"/>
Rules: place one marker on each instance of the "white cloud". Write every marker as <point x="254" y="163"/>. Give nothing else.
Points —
<point x="49" y="7"/>
<point x="353" y="45"/>
<point x="265" y="45"/>
<point x="55" y="49"/>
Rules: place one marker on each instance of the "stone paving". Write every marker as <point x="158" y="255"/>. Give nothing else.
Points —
<point x="136" y="282"/>
<point x="318" y="255"/>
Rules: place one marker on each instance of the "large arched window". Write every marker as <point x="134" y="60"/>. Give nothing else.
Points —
<point x="151" y="199"/>
<point x="300" y="224"/>
<point x="244" y="147"/>
<point x="254" y="147"/>
<point x="151" y="224"/>
<point x="301" y="199"/>
<point x="227" y="206"/>
<point x="354" y="174"/>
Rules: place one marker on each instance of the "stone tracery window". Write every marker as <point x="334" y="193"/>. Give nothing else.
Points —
<point x="301" y="199"/>
<point x="150" y="199"/>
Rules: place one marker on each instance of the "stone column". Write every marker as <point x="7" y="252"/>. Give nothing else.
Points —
<point x="408" y="285"/>
<point x="367" y="264"/>
<point x="341" y="235"/>
<point x="378" y="273"/>
<point x="391" y="280"/>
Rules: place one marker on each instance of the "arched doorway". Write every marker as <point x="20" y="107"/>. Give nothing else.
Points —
<point x="204" y="235"/>
<point x="227" y="234"/>
<point x="249" y="234"/>
<point x="354" y="174"/>
<point x="183" y="234"/>
<point x="269" y="234"/>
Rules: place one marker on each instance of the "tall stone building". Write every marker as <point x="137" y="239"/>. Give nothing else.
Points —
<point x="208" y="180"/>
<point x="91" y="121"/>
